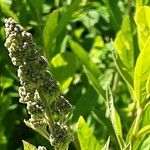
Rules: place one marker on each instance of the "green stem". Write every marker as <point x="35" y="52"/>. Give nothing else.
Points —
<point x="137" y="122"/>
<point x="115" y="83"/>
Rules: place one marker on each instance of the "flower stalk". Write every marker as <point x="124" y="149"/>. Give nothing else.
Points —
<point x="38" y="90"/>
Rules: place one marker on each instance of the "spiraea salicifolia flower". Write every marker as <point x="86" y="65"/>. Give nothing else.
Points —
<point x="38" y="90"/>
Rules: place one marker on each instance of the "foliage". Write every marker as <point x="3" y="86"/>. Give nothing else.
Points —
<point x="98" y="51"/>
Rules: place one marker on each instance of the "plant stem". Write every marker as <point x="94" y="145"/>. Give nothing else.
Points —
<point x="115" y="83"/>
<point x="137" y="122"/>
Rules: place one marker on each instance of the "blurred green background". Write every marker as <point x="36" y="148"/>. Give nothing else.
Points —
<point x="77" y="38"/>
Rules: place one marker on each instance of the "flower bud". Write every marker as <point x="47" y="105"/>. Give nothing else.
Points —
<point x="41" y="148"/>
<point x="58" y="133"/>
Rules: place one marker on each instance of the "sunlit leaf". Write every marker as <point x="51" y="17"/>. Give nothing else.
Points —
<point x="123" y="72"/>
<point x="124" y="45"/>
<point x="148" y="86"/>
<point x="106" y="146"/>
<point x="86" y="138"/>
<point x="145" y="130"/>
<point x="63" y="67"/>
<point x="141" y="73"/>
<point x="28" y="146"/>
<point x="114" y="117"/>
<point x="144" y="143"/>
<point x="143" y="25"/>
<point x="5" y="82"/>
<point x="7" y="11"/>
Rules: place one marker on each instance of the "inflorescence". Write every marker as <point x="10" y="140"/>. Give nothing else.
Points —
<point x="47" y="107"/>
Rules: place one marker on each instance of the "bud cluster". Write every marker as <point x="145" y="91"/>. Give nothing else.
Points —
<point x="38" y="90"/>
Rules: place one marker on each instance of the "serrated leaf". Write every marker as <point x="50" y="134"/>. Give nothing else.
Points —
<point x="28" y="146"/>
<point x="85" y="136"/>
<point x="143" y="25"/>
<point x="124" y="45"/>
<point x="106" y="146"/>
<point x="114" y="117"/>
<point x="141" y="73"/>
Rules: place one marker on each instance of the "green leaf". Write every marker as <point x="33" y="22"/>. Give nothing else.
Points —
<point x="90" y="98"/>
<point x="146" y="116"/>
<point x="106" y="146"/>
<point x="141" y="73"/>
<point x="145" y="130"/>
<point x="84" y="57"/>
<point x="4" y="8"/>
<point x="85" y="136"/>
<point x="90" y="67"/>
<point x="49" y="28"/>
<point x="148" y="86"/>
<point x="123" y="72"/>
<point x="115" y="13"/>
<point x="5" y="82"/>
<point x="5" y="102"/>
<point x="130" y="135"/>
<point x="58" y="26"/>
<point x="94" y="82"/>
<point x="64" y="85"/>
<point x="114" y="117"/>
<point x="133" y="131"/>
<point x="144" y="144"/>
<point x="143" y="25"/>
<point x="63" y="67"/>
<point x="124" y="45"/>
<point x="28" y="146"/>
<point x="140" y="3"/>
<point x="3" y="138"/>
<point x="36" y="9"/>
